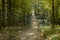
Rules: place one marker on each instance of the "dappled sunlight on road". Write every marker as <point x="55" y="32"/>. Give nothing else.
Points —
<point x="32" y="33"/>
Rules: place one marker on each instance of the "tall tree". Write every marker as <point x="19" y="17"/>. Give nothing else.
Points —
<point x="4" y="23"/>
<point x="10" y="11"/>
<point x="0" y="16"/>
<point x="53" y="17"/>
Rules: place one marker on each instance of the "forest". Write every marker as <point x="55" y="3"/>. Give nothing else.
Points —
<point x="29" y="19"/>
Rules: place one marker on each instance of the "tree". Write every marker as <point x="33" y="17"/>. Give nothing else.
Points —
<point x="4" y="23"/>
<point x="53" y="15"/>
<point x="11" y="15"/>
<point x="0" y="15"/>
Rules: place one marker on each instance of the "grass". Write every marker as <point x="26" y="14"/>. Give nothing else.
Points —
<point x="46" y="30"/>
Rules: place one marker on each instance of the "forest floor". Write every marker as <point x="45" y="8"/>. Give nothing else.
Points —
<point x="16" y="33"/>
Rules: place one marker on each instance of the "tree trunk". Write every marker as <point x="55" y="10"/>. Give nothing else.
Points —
<point x="53" y="15"/>
<point x="56" y="14"/>
<point x="10" y="14"/>
<point x="4" y="23"/>
<point x="0" y="19"/>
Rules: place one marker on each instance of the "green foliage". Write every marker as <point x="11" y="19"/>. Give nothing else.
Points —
<point x="46" y="30"/>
